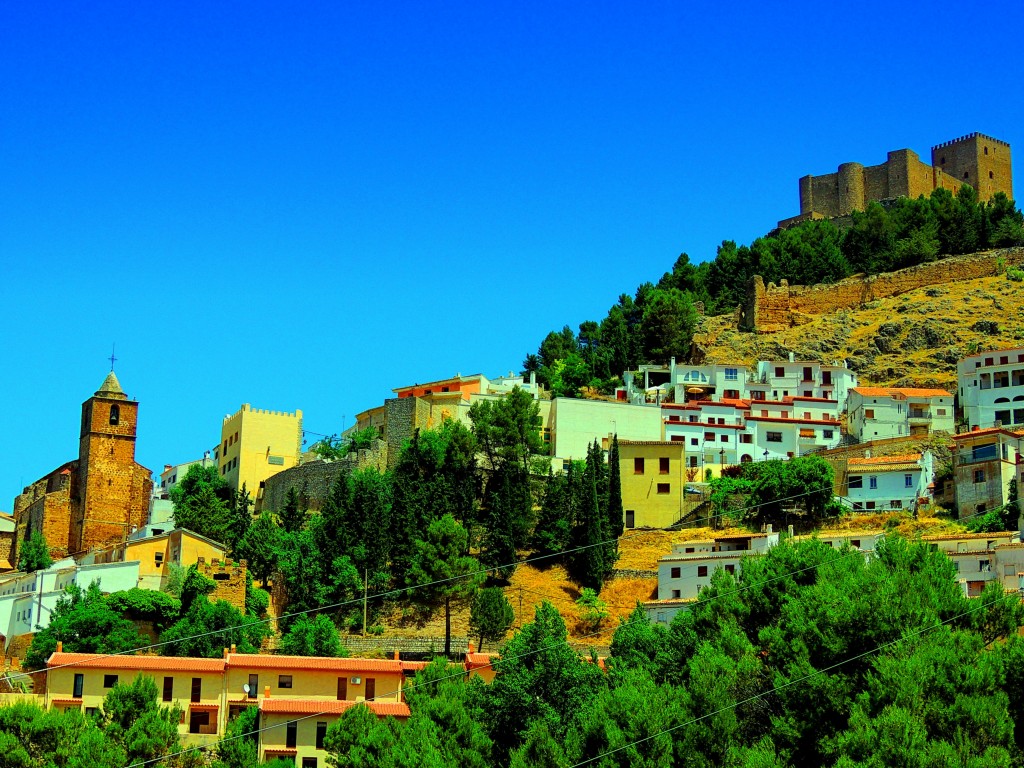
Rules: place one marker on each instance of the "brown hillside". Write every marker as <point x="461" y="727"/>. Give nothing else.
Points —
<point x="914" y="339"/>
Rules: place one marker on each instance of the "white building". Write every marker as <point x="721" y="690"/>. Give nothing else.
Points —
<point x="27" y="599"/>
<point x="576" y="423"/>
<point x="877" y="413"/>
<point x="737" y="431"/>
<point x="779" y="379"/>
<point x="690" y="565"/>
<point x="991" y="388"/>
<point x="983" y="557"/>
<point x="888" y="482"/>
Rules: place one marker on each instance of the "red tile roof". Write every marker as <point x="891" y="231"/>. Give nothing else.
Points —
<point x="900" y="392"/>
<point x="273" y="661"/>
<point x="160" y="663"/>
<point x="904" y="458"/>
<point x="286" y="706"/>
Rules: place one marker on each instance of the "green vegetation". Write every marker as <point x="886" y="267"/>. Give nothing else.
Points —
<point x="658" y="321"/>
<point x="490" y="616"/>
<point x="35" y="554"/>
<point x="809" y="657"/>
<point x="312" y="636"/>
<point x="764" y="492"/>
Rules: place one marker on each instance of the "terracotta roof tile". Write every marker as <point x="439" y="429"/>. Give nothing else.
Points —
<point x="274" y="661"/>
<point x="286" y="706"/>
<point x="900" y="392"/>
<point x="904" y="458"/>
<point x="160" y="663"/>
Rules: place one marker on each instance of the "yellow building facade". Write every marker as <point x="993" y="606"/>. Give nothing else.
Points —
<point x="653" y="475"/>
<point x="255" y="444"/>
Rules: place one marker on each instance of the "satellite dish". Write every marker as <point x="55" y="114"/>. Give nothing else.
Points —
<point x="245" y="687"/>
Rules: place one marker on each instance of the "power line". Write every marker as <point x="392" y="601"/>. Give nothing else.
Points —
<point x="496" y="664"/>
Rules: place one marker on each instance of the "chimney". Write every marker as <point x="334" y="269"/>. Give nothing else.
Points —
<point x="60" y="646"/>
<point x="397" y="656"/>
<point x="469" y="648"/>
<point x="166" y="467"/>
<point x="769" y="528"/>
<point x="867" y="453"/>
<point x="792" y="357"/>
<point x="266" y="691"/>
<point x="225" y="653"/>
<point x="234" y="648"/>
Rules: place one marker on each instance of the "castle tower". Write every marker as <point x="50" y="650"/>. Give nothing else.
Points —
<point x="110" y="494"/>
<point x="978" y="160"/>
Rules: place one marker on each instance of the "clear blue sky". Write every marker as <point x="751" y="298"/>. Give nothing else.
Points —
<point x="304" y="205"/>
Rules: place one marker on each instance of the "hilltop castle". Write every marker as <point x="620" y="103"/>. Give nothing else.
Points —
<point x="975" y="159"/>
<point x="98" y="498"/>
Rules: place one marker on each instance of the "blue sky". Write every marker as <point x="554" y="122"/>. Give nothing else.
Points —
<point x="306" y="205"/>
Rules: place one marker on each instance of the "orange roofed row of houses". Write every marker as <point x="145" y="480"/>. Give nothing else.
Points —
<point x="298" y="697"/>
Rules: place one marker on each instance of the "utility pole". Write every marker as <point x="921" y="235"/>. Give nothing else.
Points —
<point x="366" y="582"/>
<point x="520" y="608"/>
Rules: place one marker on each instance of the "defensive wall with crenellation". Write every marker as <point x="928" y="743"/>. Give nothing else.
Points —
<point x="769" y="308"/>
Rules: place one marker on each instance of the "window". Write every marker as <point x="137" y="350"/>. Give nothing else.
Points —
<point x="869" y="413"/>
<point x="702" y="570"/>
<point x="694" y="441"/>
<point x="109" y="681"/>
<point x="979" y="475"/>
<point x="677" y="438"/>
<point x="92" y="712"/>
<point x="197" y="688"/>
<point x="371" y="689"/>
<point x="284" y="681"/>
<point x="663" y="465"/>
<point x="908" y="481"/>
<point x="730" y="568"/>
<point x="873" y="482"/>
<point x="709" y="437"/>
<point x="896" y="504"/>
<point x="780" y="372"/>
<point x="855" y="543"/>
<point x="291" y="735"/>
<point x="321" y="731"/>
<point x="638" y="466"/>
<point x="158" y="559"/>
<point x="630" y="518"/>
<point x="940" y="411"/>
<point x="254" y="685"/>
<point x="197" y="721"/>
<point x="79" y="685"/>
<point x="168" y="688"/>
<point x="663" y="488"/>
<point x="869" y="505"/>
<point x="309" y="762"/>
<point x="745" y="438"/>
<point x="827" y="434"/>
<point x="674" y="573"/>
<point x="807" y="374"/>
<point x="774" y="437"/>
<point x="688" y="550"/>
<point x="342" y="688"/>
<point x="676" y="594"/>
<point x="731" y="374"/>
<point x="115" y="415"/>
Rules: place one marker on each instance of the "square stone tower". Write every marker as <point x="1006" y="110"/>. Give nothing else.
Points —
<point x="978" y="160"/>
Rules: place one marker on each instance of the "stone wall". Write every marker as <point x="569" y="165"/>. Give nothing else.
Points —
<point x="229" y="578"/>
<point x="315" y="478"/>
<point x="769" y="308"/>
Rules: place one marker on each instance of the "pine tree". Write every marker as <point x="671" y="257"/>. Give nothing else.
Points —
<point x="293" y="515"/>
<point x="616" y="518"/>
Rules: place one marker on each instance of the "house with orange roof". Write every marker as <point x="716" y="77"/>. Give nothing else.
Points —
<point x="991" y="388"/>
<point x="877" y="413"/>
<point x="886" y="483"/>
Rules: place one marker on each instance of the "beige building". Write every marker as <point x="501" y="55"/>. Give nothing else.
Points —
<point x="653" y="477"/>
<point x="255" y="444"/>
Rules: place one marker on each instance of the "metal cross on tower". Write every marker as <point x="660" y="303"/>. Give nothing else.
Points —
<point x="112" y="358"/>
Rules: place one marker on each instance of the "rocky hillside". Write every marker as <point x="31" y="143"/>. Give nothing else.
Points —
<point x="914" y="339"/>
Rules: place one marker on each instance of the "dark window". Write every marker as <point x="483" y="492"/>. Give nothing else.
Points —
<point x="284" y="681"/>
<point x="79" y="685"/>
<point x="342" y="688"/>
<point x="724" y="438"/>
<point x="371" y="689"/>
<point x="309" y="762"/>
<point x="638" y="466"/>
<point x="115" y="415"/>
<point x="254" y="685"/>
<point x="675" y="573"/>
<point x="109" y="681"/>
<point x="663" y="465"/>
<point x="746" y="438"/>
<point x="979" y="475"/>
<point x="168" y="688"/>
<point x="92" y="712"/>
<point x="197" y="721"/>
<point x="630" y="518"/>
<point x="664" y="488"/>
<point x="291" y="734"/>
<point x="856" y="481"/>
<point x="774" y="437"/>
<point x="855" y="543"/>
<point x="730" y="568"/>
<point x="197" y="688"/>
<point x="702" y="570"/>
<point x="321" y="731"/>
<point x="780" y="372"/>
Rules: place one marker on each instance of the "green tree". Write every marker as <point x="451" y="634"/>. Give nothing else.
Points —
<point x="358" y="739"/>
<point x="490" y="615"/>
<point x="240" y="518"/>
<point x="146" y="730"/>
<point x="85" y="623"/>
<point x="1011" y="510"/>
<point x="35" y="554"/>
<point x="149" y="605"/>
<point x="593" y="610"/>
<point x="312" y="636"/>
<point x="616" y="515"/>
<point x="240" y="748"/>
<point x="204" y="629"/>
<point x="293" y="515"/>
<point x="260" y="545"/>
<point x="203" y="503"/>
<point x="442" y="570"/>
<point x="669" y="321"/>
<point x="554" y="521"/>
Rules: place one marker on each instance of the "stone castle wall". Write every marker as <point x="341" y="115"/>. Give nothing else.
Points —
<point x="769" y="308"/>
<point x="229" y="580"/>
<point x="315" y="478"/>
